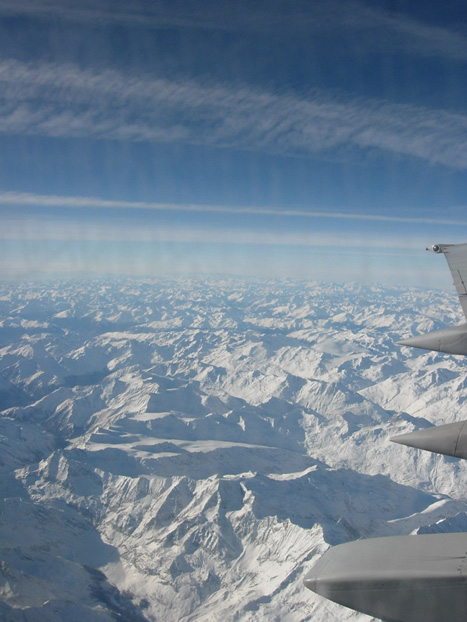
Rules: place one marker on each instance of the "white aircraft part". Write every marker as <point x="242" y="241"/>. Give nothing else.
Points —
<point x="456" y="256"/>
<point x="452" y="340"/>
<point x="397" y="579"/>
<point x="449" y="439"/>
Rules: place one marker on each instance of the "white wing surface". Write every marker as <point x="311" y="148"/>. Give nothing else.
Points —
<point x="456" y="256"/>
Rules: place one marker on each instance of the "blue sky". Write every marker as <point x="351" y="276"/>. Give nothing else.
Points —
<point x="313" y="139"/>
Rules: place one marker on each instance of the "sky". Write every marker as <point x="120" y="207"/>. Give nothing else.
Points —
<point x="311" y="139"/>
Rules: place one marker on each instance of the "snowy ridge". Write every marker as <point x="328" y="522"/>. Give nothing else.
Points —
<point x="182" y="450"/>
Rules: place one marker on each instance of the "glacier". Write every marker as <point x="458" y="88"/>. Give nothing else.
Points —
<point x="184" y="449"/>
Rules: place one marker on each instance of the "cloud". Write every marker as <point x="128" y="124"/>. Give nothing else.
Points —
<point x="65" y="101"/>
<point x="377" y="28"/>
<point x="348" y="242"/>
<point x="40" y="246"/>
<point x="393" y="31"/>
<point x="11" y="198"/>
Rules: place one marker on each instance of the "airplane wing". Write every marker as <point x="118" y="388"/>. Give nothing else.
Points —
<point x="456" y="256"/>
<point x="452" y="340"/>
<point x="420" y="578"/>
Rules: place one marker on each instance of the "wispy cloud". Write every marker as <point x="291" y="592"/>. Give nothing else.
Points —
<point x="379" y="28"/>
<point x="66" y="101"/>
<point x="11" y="198"/>
<point x="351" y="242"/>
<point x="392" y="31"/>
<point x="39" y="246"/>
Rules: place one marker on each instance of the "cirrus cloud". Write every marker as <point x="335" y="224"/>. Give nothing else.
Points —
<point x="27" y="199"/>
<point x="49" y="99"/>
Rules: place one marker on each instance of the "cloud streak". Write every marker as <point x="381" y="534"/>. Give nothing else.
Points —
<point x="350" y="242"/>
<point x="11" y="198"/>
<point x="39" y="246"/>
<point x="380" y="29"/>
<point x="65" y="101"/>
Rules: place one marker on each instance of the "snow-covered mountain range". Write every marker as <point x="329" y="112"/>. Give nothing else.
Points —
<point x="184" y="450"/>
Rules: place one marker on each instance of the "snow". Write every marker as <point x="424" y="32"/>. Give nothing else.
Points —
<point x="184" y="450"/>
